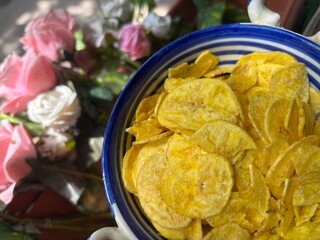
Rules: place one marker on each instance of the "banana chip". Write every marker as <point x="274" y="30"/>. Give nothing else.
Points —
<point x="223" y="138"/>
<point x="291" y="81"/>
<point x="149" y="185"/>
<point x="229" y="152"/>
<point x="195" y="103"/>
<point x="197" y="185"/>
<point x="228" y="231"/>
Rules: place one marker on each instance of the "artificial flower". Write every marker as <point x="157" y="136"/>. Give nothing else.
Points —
<point x="158" y="25"/>
<point x="58" y="108"/>
<point x="21" y="79"/>
<point x="119" y="9"/>
<point x="16" y="147"/>
<point x="134" y="40"/>
<point x="49" y="33"/>
<point x="55" y="145"/>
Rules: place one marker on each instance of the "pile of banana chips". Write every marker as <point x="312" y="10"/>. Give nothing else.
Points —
<point x="229" y="152"/>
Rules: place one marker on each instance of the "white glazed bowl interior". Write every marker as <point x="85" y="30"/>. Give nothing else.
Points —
<point x="229" y="42"/>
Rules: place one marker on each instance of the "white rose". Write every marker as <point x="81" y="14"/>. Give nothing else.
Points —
<point x="120" y="9"/>
<point x="58" y="109"/>
<point x="54" y="145"/>
<point x="158" y="25"/>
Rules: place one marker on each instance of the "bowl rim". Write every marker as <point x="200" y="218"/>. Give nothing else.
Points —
<point x="110" y="189"/>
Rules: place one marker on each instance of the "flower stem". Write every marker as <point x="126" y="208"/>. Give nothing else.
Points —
<point x="133" y="63"/>
<point x="70" y="172"/>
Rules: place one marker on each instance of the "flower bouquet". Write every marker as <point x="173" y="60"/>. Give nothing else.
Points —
<point x="55" y="101"/>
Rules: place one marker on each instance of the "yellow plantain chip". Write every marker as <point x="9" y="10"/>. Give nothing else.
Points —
<point x="264" y="73"/>
<point x="314" y="100"/>
<point x="307" y="194"/>
<point x="218" y="71"/>
<point x="286" y="207"/>
<point x="316" y="128"/>
<point x="308" y="230"/>
<point x="223" y="138"/>
<point x="274" y="57"/>
<point x="182" y="158"/>
<point x="129" y="163"/>
<point x="257" y="195"/>
<point x="304" y="213"/>
<point x="195" y="103"/>
<point x="291" y="81"/>
<point x="270" y="153"/>
<point x="171" y="83"/>
<point x="241" y="170"/>
<point x="252" y="92"/>
<point x="243" y="77"/>
<point x="157" y="147"/>
<point x="152" y="138"/>
<point x="234" y="212"/>
<point x="283" y="166"/>
<point x="307" y="120"/>
<point x="149" y="185"/>
<point x="258" y="109"/>
<point x="205" y="187"/>
<point x="192" y="231"/>
<point x="281" y="120"/>
<point x="146" y="108"/>
<point x="146" y="128"/>
<point x="185" y="70"/>
<point x="230" y="231"/>
<point x="207" y="56"/>
<point x="266" y="236"/>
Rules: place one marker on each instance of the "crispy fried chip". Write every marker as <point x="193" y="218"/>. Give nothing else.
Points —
<point x="291" y="81"/>
<point x="195" y="103"/>
<point x="207" y="56"/>
<point x="223" y="138"/>
<point x="274" y="57"/>
<point x="146" y="128"/>
<point x="314" y="100"/>
<point x="195" y="184"/>
<point x="258" y="110"/>
<point x="157" y="147"/>
<point x="146" y="108"/>
<point x="228" y="231"/>
<point x="192" y="231"/>
<point x="218" y="71"/>
<point x="172" y="83"/>
<point x="281" y="120"/>
<point x="129" y="163"/>
<point x="149" y="185"/>
<point x="243" y="77"/>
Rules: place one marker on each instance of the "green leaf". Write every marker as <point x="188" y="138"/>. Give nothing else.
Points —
<point x="210" y="15"/>
<point x="2" y="208"/>
<point x="151" y="3"/>
<point x="202" y="4"/>
<point x="234" y="14"/>
<point x="7" y="233"/>
<point x="115" y="81"/>
<point x="35" y="129"/>
<point x="79" y="44"/>
<point x="101" y="93"/>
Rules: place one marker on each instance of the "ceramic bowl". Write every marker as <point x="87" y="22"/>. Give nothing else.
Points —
<point x="229" y="42"/>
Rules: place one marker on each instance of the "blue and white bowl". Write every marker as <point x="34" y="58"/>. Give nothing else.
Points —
<point x="229" y="42"/>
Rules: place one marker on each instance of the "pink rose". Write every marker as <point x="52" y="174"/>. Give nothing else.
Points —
<point x="21" y="79"/>
<point x="50" y="33"/>
<point x="133" y="40"/>
<point x="16" y="146"/>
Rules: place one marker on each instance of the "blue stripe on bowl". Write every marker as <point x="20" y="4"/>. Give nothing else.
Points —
<point x="229" y="42"/>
